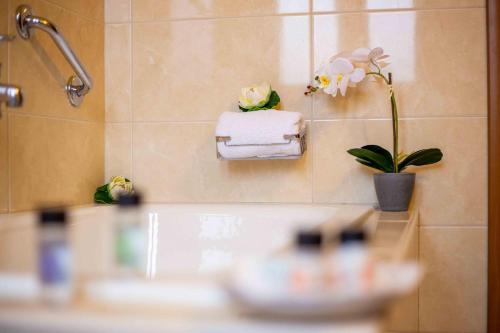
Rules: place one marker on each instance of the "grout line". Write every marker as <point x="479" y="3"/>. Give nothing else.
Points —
<point x="275" y="203"/>
<point x="117" y="24"/>
<point x="29" y="114"/>
<point x="166" y="122"/>
<point x="215" y="18"/>
<point x="309" y="12"/>
<point x="7" y="115"/>
<point x="393" y="10"/>
<point x="405" y="118"/>
<point x="312" y="120"/>
<point x="73" y="12"/>
<point x="131" y="100"/>
<point x="311" y="98"/>
<point x="9" y="165"/>
<point x="456" y="226"/>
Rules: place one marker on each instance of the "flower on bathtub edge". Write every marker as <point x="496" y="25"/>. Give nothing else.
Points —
<point x="258" y="97"/>
<point x="109" y="193"/>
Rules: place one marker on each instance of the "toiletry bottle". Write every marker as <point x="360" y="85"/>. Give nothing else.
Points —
<point x="307" y="268"/>
<point x="54" y="257"/>
<point x="129" y="238"/>
<point x="351" y="267"/>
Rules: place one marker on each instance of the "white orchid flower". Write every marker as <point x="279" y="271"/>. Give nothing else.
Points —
<point x="372" y="57"/>
<point x="338" y="75"/>
<point x="255" y="96"/>
<point x="324" y="76"/>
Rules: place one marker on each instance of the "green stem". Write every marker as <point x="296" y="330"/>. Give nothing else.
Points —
<point x="395" y="131"/>
<point x="395" y="127"/>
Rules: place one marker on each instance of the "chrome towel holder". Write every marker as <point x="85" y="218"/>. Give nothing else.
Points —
<point x="299" y="137"/>
<point x="78" y="85"/>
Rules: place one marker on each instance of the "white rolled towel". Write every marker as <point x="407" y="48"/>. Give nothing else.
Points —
<point x="259" y="134"/>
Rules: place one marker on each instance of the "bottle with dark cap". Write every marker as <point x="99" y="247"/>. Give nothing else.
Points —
<point x="352" y="236"/>
<point x="129" y="236"/>
<point x="54" y="257"/>
<point x="309" y="239"/>
<point x="351" y="266"/>
<point x="306" y="274"/>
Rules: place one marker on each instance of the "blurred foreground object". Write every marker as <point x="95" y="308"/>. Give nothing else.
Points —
<point x="54" y="257"/>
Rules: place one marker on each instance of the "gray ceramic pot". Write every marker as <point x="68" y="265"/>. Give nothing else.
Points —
<point x="394" y="190"/>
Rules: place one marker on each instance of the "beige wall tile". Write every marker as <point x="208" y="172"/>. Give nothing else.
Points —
<point x="54" y="161"/>
<point x="428" y="57"/>
<point x="177" y="163"/>
<point x="148" y="10"/>
<point x="118" y="151"/>
<point x="40" y="68"/>
<point x="453" y="293"/>
<point x="358" y="5"/>
<point x="117" y="11"/>
<point x="92" y="9"/>
<point x="338" y="178"/>
<point x="118" y="72"/>
<point x="4" y="6"/>
<point x="17" y="249"/>
<point x="455" y="191"/>
<point x="4" y="162"/>
<point x="189" y="81"/>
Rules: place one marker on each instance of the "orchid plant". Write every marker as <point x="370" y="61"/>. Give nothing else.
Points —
<point x="347" y="69"/>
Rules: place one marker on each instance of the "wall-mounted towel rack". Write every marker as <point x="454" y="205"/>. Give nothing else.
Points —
<point x="300" y="137"/>
<point x="78" y="85"/>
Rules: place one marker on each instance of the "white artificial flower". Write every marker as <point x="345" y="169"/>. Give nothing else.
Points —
<point x="372" y="57"/>
<point x="118" y="186"/>
<point x="323" y="76"/>
<point x="338" y="75"/>
<point x="255" y="96"/>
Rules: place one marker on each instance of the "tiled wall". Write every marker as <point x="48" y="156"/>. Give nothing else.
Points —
<point x="4" y="152"/>
<point x="173" y="66"/>
<point x="51" y="152"/>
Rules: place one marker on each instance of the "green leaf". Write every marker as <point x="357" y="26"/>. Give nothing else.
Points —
<point x="274" y="100"/>
<point x="370" y="164"/>
<point x="382" y="151"/>
<point x="421" y="157"/>
<point x="376" y="160"/>
<point x="102" y="196"/>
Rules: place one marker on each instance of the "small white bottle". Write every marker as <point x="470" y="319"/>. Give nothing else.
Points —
<point x="351" y="265"/>
<point x="129" y="236"/>
<point x="306" y="274"/>
<point x="54" y="258"/>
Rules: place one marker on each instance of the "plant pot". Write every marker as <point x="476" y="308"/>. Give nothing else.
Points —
<point x="394" y="190"/>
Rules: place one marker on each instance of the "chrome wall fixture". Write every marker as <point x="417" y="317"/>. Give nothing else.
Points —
<point x="7" y="38"/>
<point x="9" y="94"/>
<point x="78" y="85"/>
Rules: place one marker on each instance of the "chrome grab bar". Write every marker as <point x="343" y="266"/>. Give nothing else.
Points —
<point x="78" y="85"/>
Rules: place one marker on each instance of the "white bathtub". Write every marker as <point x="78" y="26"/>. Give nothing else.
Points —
<point x="188" y="245"/>
<point x="183" y="239"/>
